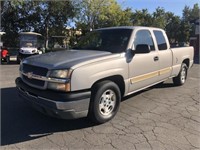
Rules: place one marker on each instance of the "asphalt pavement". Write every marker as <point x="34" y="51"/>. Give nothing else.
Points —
<point x="163" y="117"/>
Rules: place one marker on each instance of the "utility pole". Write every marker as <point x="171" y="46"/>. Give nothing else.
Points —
<point x="47" y="33"/>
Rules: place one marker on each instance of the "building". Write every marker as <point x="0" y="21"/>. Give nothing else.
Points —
<point x="194" y="41"/>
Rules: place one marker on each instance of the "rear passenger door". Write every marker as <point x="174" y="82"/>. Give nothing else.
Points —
<point x="164" y="54"/>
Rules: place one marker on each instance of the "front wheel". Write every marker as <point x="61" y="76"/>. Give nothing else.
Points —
<point x="182" y="76"/>
<point x="105" y="101"/>
<point x="19" y="59"/>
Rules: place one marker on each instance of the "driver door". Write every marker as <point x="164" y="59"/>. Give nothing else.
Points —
<point x="143" y="69"/>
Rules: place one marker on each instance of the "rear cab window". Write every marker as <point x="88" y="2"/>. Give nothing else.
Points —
<point x="161" y="41"/>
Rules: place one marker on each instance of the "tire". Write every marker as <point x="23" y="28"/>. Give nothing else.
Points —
<point x="7" y="59"/>
<point x="105" y="102"/>
<point x="182" y="76"/>
<point x="18" y="60"/>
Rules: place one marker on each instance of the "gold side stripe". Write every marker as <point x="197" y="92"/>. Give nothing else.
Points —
<point x="150" y="75"/>
<point x="144" y="77"/>
<point x="164" y="71"/>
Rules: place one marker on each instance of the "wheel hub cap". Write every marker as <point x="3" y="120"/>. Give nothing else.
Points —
<point x="107" y="102"/>
<point x="183" y="75"/>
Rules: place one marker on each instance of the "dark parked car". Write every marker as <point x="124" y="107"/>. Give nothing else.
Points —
<point x="5" y="57"/>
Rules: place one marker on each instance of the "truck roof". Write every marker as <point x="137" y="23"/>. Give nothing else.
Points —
<point x="130" y="27"/>
<point x="30" y="33"/>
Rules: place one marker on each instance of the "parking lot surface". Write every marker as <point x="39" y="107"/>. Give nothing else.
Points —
<point x="163" y="117"/>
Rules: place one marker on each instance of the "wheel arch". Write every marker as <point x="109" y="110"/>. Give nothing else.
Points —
<point x="187" y="62"/>
<point x="117" y="79"/>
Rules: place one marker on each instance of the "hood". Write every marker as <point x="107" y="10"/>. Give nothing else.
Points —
<point x="64" y="59"/>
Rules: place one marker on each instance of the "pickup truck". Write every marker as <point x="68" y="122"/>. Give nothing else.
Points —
<point x="106" y="65"/>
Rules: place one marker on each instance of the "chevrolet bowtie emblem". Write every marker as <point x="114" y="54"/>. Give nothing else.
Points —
<point x="30" y="75"/>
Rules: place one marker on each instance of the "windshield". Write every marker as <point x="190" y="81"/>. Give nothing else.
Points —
<point x="30" y="40"/>
<point x="112" y="40"/>
<point x="28" y="44"/>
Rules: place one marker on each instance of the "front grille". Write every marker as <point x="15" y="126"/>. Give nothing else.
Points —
<point x="41" y="71"/>
<point x="35" y="70"/>
<point x="34" y="81"/>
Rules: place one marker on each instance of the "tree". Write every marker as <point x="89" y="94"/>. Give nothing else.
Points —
<point x="190" y="15"/>
<point x="53" y="17"/>
<point x="112" y="15"/>
<point x="172" y="27"/>
<point x="159" y="18"/>
<point x="185" y="28"/>
<point x="101" y="13"/>
<point x="194" y="15"/>
<point x="142" y="18"/>
<point x="46" y="17"/>
<point x="195" y="12"/>
<point x="186" y="13"/>
<point x="126" y="17"/>
<point x="9" y="19"/>
<point x="88" y="11"/>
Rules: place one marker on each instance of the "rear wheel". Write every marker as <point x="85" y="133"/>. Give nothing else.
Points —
<point x="182" y="76"/>
<point x="105" y="101"/>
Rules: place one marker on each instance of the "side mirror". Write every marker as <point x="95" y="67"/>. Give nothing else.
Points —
<point x="142" y="48"/>
<point x="129" y="55"/>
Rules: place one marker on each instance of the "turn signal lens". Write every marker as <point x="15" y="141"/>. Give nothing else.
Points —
<point x="59" y="86"/>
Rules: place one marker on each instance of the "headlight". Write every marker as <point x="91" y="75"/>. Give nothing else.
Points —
<point x="60" y="74"/>
<point x="21" y="50"/>
<point x="34" y="51"/>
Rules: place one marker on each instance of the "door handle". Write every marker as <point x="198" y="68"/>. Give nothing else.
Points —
<point x="156" y="58"/>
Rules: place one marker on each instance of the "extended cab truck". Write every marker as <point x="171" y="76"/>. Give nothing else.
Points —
<point x="106" y="65"/>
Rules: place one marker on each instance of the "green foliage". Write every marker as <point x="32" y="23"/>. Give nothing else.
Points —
<point x="195" y="12"/>
<point x="142" y="18"/>
<point x="9" y="23"/>
<point x="184" y="31"/>
<point x="101" y="13"/>
<point x="188" y="19"/>
<point x="177" y="29"/>
<point x="46" y="17"/>
<point x="173" y="24"/>
<point x="159" y="18"/>
<point x="51" y="18"/>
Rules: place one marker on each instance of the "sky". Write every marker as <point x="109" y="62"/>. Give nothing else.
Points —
<point x="175" y="6"/>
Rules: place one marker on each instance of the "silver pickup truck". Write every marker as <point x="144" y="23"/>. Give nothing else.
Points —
<point x="106" y="65"/>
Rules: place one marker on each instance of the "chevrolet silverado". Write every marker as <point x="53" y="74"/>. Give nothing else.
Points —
<point x="106" y="65"/>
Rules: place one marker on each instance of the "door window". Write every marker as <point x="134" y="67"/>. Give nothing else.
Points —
<point x="144" y="37"/>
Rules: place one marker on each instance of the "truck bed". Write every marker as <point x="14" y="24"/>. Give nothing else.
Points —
<point x="180" y="54"/>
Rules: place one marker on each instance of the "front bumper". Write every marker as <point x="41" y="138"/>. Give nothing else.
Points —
<point x="55" y="103"/>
